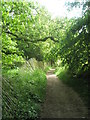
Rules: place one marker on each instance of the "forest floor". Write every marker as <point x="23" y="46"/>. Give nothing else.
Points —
<point x="61" y="101"/>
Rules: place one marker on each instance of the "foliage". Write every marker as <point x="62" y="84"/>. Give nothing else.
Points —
<point x="74" y="50"/>
<point x="23" y="92"/>
<point x="11" y="56"/>
<point x="25" y="26"/>
<point x="22" y="25"/>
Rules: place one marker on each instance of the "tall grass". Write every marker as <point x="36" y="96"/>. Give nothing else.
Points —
<point x="23" y="92"/>
<point x="80" y="85"/>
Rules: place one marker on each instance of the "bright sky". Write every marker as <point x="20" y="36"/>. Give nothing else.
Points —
<point x="57" y="8"/>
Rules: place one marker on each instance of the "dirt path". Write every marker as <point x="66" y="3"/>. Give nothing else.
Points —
<point x="61" y="101"/>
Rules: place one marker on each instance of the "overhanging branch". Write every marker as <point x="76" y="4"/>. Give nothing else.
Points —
<point x="8" y="32"/>
<point x="34" y="41"/>
<point x="44" y="39"/>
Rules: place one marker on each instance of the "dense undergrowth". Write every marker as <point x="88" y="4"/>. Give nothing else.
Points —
<point x="23" y="92"/>
<point x="78" y="83"/>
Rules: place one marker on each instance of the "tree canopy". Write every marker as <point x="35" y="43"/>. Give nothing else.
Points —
<point x="29" y="32"/>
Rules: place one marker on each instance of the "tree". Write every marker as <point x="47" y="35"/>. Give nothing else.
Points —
<point x="24" y="25"/>
<point x="75" y="48"/>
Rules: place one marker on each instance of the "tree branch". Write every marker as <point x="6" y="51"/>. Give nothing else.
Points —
<point x="34" y="41"/>
<point x="46" y="38"/>
<point x="11" y="33"/>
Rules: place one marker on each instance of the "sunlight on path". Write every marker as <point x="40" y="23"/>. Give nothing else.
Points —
<point x="61" y="101"/>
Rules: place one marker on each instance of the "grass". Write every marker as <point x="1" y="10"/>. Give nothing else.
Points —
<point x="23" y="92"/>
<point x="80" y="85"/>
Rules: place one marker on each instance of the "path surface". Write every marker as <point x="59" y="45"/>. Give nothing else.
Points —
<point x="61" y="101"/>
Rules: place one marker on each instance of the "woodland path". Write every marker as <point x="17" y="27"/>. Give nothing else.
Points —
<point x="61" y="101"/>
